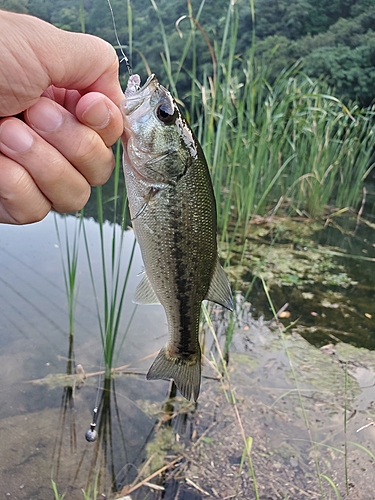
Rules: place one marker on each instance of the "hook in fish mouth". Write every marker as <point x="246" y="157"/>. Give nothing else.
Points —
<point x="134" y="85"/>
<point x="135" y="95"/>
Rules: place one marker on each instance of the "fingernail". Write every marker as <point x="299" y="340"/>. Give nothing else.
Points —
<point x="15" y="136"/>
<point x="45" y="116"/>
<point x="97" y="115"/>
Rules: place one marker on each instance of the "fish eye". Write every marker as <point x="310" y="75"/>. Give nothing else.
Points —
<point x="164" y="116"/>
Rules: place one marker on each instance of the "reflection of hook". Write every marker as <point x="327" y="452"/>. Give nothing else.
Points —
<point x="91" y="434"/>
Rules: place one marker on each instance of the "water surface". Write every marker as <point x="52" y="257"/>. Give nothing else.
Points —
<point x="292" y="397"/>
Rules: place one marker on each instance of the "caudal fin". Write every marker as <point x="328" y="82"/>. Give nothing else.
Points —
<point x="186" y="374"/>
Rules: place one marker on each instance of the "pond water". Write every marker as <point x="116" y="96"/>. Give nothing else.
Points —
<point x="291" y="395"/>
<point x="48" y="421"/>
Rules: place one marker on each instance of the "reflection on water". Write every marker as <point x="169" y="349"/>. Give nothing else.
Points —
<point x="149" y="446"/>
<point x="51" y="416"/>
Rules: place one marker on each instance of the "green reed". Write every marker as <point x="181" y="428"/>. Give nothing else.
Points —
<point x="56" y="494"/>
<point x="113" y="281"/>
<point x="289" y="143"/>
<point x="69" y="248"/>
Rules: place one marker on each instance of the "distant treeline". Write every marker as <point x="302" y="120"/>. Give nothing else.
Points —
<point x="335" y="39"/>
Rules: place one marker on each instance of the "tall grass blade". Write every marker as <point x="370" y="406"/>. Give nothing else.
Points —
<point x="332" y="484"/>
<point x="112" y="266"/>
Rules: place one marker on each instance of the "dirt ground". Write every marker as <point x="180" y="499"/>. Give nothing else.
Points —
<point x="290" y="400"/>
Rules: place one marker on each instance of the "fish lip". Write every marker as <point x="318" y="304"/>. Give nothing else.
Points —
<point x="150" y="79"/>
<point x="135" y="96"/>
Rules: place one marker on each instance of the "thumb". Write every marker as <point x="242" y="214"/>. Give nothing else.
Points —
<point x="84" y="62"/>
<point x="36" y="54"/>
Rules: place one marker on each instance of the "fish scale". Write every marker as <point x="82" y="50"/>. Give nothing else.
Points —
<point x="173" y="212"/>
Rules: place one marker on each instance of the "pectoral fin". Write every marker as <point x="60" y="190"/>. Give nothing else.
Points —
<point x="144" y="293"/>
<point x="219" y="290"/>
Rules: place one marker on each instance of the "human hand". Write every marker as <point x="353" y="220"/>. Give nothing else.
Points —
<point x="66" y="85"/>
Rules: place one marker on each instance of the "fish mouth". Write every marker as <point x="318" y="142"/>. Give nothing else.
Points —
<point x="135" y="94"/>
<point x="151" y="79"/>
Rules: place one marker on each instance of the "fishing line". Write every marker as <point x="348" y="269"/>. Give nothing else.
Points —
<point x="124" y="58"/>
<point x="92" y="433"/>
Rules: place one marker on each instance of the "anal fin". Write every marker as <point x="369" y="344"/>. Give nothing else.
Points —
<point x="144" y="293"/>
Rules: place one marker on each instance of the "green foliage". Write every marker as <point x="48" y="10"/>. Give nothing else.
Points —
<point x="20" y="6"/>
<point x="334" y="38"/>
<point x="343" y="53"/>
<point x="115" y="273"/>
<point x="287" y="144"/>
<point x="56" y="494"/>
<point x="273" y="137"/>
<point x="350" y="70"/>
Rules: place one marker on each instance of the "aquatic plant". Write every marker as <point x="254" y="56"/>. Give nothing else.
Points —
<point x="287" y="143"/>
<point x="69" y="257"/>
<point x="114" y="281"/>
<point x="56" y="493"/>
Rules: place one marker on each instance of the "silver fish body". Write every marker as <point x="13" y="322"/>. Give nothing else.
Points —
<point x="173" y="212"/>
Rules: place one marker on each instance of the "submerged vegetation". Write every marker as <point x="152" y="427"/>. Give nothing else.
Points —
<point x="285" y="253"/>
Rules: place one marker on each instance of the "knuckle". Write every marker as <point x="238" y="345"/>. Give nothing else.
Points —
<point x="57" y="171"/>
<point x="87" y="146"/>
<point x="94" y="158"/>
<point x="76" y="202"/>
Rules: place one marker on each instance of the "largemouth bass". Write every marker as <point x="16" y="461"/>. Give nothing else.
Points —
<point x="173" y="213"/>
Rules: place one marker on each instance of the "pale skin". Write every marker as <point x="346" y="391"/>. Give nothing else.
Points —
<point x="59" y="116"/>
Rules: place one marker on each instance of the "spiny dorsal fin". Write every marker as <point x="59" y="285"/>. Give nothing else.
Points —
<point x="144" y="293"/>
<point x="219" y="290"/>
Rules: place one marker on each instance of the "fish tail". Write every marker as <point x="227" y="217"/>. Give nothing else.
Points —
<point x="185" y="373"/>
